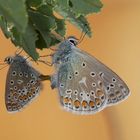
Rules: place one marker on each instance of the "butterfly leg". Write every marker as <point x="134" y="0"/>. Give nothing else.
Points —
<point x="46" y="62"/>
<point x="18" y="51"/>
<point x="52" y="49"/>
<point x="44" y="77"/>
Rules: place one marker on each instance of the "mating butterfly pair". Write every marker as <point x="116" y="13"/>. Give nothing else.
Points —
<point x="85" y="85"/>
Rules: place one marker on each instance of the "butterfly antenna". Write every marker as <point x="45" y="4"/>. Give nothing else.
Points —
<point x="83" y="34"/>
<point x="82" y="38"/>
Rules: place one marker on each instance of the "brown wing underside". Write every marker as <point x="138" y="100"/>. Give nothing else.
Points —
<point x="22" y="86"/>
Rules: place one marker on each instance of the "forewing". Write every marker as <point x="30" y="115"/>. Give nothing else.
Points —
<point x="22" y="86"/>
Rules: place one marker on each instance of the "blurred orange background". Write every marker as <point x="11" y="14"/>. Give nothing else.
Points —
<point x="116" y="42"/>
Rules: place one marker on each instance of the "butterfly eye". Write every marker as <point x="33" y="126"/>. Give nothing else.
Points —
<point x="8" y="60"/>
<point x="73" y="41"/>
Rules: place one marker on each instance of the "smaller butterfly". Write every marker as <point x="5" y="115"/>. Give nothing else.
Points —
<point x="23" y="83"/>
<point x="85" y="85"/>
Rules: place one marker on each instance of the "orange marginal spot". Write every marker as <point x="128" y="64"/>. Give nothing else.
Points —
<point x="91" y="104"/>
<point x="9" y="104"/>
<point x="25" y="97"/>
<point x="29" y="94"/>
<point x="20" y="97"/>
<point x="84" y="104"/>
<point x="97" y="101"/>
<point x="100" y="84"/>
<point x="32" y="89"/>
<point x="77" y="103"/>
<point x="66" y="100"/>
<point x="99" y="93"/>
<point x="112" y="96"/>
<point x="15" y="94"/>
<point x="14" y="104"/>
<point x="118" y="93"/>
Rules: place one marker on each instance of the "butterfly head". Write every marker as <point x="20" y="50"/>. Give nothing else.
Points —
<point x="72" y="40"/>
<point x="9" y="60"/>
<point x="17" y="58"/>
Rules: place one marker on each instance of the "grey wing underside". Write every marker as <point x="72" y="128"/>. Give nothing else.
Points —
<point x="115" y="88"/>
<point x="24" y="89"/>
<point x="92" y="89"/>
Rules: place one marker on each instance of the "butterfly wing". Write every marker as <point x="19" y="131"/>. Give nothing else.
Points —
<point x="115" y="88"/>
<point x="22" y="86"/>
<point x="83" y="84"/>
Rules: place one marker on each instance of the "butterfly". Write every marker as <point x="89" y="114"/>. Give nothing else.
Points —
<point x="85" y="85"/>
<point x="23" y="83"/>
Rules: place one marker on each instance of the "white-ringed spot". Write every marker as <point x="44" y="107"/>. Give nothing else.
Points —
<point x="92" y="74"/>
<point x="83" y="64"/>
<point x="92" y="93"/>
<point x="14" y="73"/>
<point x="94" y="84"/>
<point x="12" y="82"/>
<point x="75" y="92"/>
<point x="69" y="77"/>
<point x="20" y="74"/>
<point x="61" y="85"/>
<point x="19" y="82"/>
<point x="113" y="79"/>
<point x="68" y="91"/>
<point x="76" y="73"/>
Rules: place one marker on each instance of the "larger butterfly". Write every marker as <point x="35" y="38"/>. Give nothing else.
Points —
<point x="85" y="85"/>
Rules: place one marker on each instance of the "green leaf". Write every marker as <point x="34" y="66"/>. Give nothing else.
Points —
<point x="40" y="43"/>
<point x="16" y="37"/>
<point x="28" y="40"/>
<point x="45" y="10"/>
<point x="3" y="24"/>
<point x="61" y="30"/>
<point x="15" y="12"/>
<point x="64" y="4"/>
<point x="80" y="21"/>
<point x="34" y="3"/>
<point x="85" y="7"/>
<point x="44" y="24"/>
<point x="54" y="40"/>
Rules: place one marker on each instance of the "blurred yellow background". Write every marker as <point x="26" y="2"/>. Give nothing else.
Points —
<point x="116" y="42"/>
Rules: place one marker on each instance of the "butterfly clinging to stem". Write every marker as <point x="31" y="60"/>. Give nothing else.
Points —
<point x="85" y="85"/>
<point x="23" y="83"/>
